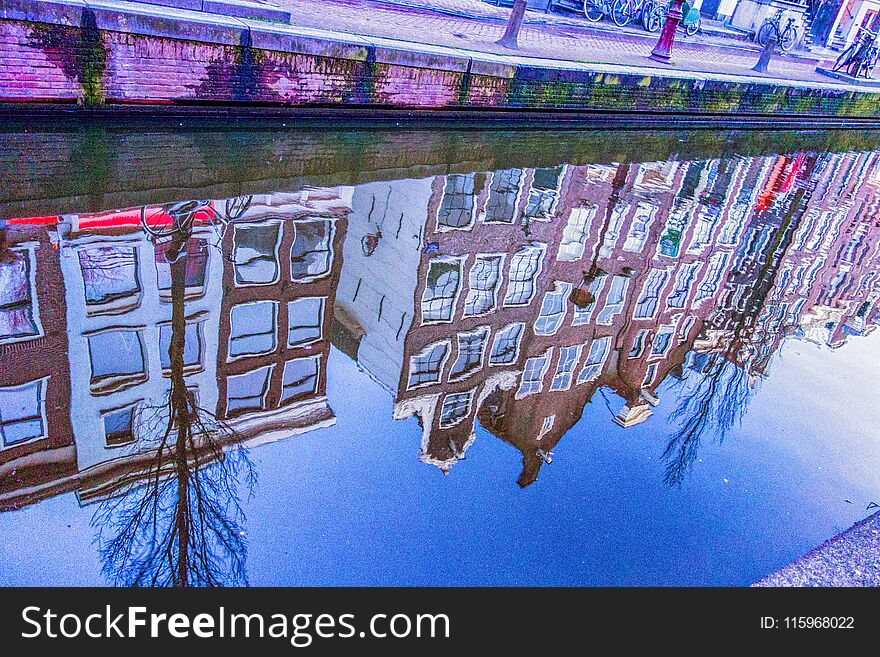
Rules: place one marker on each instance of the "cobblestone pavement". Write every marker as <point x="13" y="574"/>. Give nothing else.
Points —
<point x="401" y="19"/>
<point x="849" y="559"/>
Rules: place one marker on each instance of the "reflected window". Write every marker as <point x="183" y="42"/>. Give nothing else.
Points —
<point x="456" y="407"/>
<point x="484" y="279"/>
<point x="255" y="253"/>
<point x="253" y="328"/>
<point x="503" y="195"/>
<point x="599" y="350"/>
<point x="117" y="358"/>
<point x="524" y="268"/>
<point x="638" y="231"/>
<point x="300" y="378"/>
<point x="425" y="366"/>
<point x="712" y="279"/>
<point x="119" y="426"/>
<point x="568" y="359"/>
<point x="533" y="374"/>
<point x="471" y="347"/>
<point x="192" y="345"/>
<point x="553" y="309"/>
<point x="311" y="255"/>
<point x="574" y="235"/>
<point x="649" y="375"/>
<point x="18" y="305"/>
<point x="544" y="194"/>
<point x="614" y="301"/>
<point x="638" y="345"/>
<point x="457" y="205"/>
<point x="612" y="232"/>
<point x="23" y="413"/>
<point x="582" y="315"/>
<point x="505" y="347"/>
<point x="683" y="283"/>
<point x="646" y="306"/>
<point x="662" y="341"/>
<point x="438" y="300"/>
<point x="247" y="392"/>
<point x="110" y="275"/>
<point x="196" y="269"/>
<point x="305" y="321"/>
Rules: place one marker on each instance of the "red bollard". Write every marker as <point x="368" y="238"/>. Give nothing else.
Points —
<point x="663" y="50"/>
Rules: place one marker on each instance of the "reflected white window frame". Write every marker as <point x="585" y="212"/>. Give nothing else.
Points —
<point x="458" y="262"/>
<point x="569" y="357"/>
<point x="650" y="373"/>
<point x="275" y="341"/>
<point x="614" y="307"/>
<point x="584" y="315"/>
<point x="474" y="292"/>
<point x="198" y="321"/>
<point x="550" y="318"/>
<point x="331" y="253"/>
<point x="683" y="287"/>
<point x="122" y="304"/>
<point x="457" y="419"/>
<point x="43" y="383"/>
<point x="597" y="355"/>
<point x="482" y="333"/>
<point x="443" y="228"/>
<point x="193" y="291"/>
<point x="652" y="290"/>
<point x="263" y="395"/>
<point x="317" y="359"/>
<point x="640" y="228"/>
<point x="108" y="384"/>
<point x="533" y="374"/>
<point x="640" y="340"/>
<point x="576" y="232"/>
<point x="423" y="353"/>
<point x="664" y="332"/>
<point x="503" y="334"/>
<point x="133" y="408"/>
<point x="320" y="325"/>
<point x="553" y="193"/>
<point x="30" y="248"/>
<point x="533" y="250"/>
<point x="484" y="212"/>
<point x="250" y="225"/>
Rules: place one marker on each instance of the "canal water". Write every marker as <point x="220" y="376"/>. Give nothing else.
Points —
<point x="340" y="356"/>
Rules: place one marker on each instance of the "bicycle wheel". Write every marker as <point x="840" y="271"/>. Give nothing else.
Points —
<point x="655" y="19"/>
<point x="621" y="12"/>
<point x="789" y="37"/>
<point x="764" y="33"/>
<point x="693" y="28"/>
<point x="594" y="10"/>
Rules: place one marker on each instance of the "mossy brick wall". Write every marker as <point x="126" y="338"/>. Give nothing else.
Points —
<point x="84" y="64"/>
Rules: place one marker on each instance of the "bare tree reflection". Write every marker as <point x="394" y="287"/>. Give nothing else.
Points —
<point x="719" y="399"/>
<point x="180" y="523"/>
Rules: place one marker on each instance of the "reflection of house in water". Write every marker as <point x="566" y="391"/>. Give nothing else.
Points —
<point x="520" y="316"/>
<point x="258" y="307"/>
<point x="36" y="439"/>
<point x="373" y="309"/>
<point x="276" y="314"/>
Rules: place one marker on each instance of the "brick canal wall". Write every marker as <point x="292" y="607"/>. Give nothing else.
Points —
<point x="117" y="54"/>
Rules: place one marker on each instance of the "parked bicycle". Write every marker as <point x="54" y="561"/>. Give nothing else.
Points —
<point x="165" y="222"/>
<point x="786" y="38"/>
<point x="691" y="21"/>
<point x="860" y="58"/>
<point x="596" y="10"/>
<point x="624" y="11"/>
